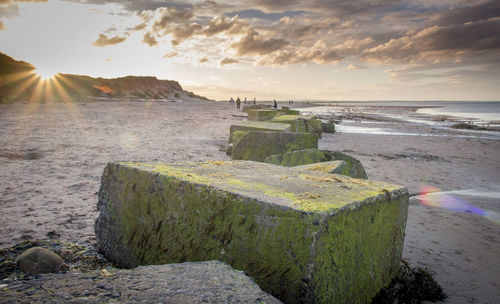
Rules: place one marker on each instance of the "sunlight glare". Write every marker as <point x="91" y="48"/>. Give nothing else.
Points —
<point x="45" y="74"/>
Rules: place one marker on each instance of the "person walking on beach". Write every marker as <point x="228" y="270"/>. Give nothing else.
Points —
<point x="275" y="104"/>
<point x="238" y="103"/>
<point x="245" y="102"/>
<point x="231" y="101"/>
<point x="254" y="100"/>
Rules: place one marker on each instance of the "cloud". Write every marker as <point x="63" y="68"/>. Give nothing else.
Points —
<point x="227" y="60"/>
<point x="437" y="43"/>
<point x="220" y="24"/>
<point x="103" y="40"/>
<point x="170" y="55"/>
<point x="203" y="60"/>
<point x="149" y="39"/>
<point x="355" y="67"/>
<point x="255" y="44"/>
<point x="469" y="13"/>
<point x="169" y="16"/>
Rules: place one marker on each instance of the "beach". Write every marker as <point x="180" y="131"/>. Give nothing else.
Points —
<point x="53" y="156"/>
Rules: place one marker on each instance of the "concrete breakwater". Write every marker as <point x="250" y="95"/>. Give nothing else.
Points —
<point x="308" y="237"/>
<point x="295" y="220"/>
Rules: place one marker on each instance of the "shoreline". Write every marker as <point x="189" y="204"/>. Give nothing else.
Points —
<point x="54" y="154"/>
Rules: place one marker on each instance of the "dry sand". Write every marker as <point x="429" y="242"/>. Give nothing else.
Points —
<point x="52" y="157"/>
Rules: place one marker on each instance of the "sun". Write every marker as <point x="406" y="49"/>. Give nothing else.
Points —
<point x="45" y="74"/>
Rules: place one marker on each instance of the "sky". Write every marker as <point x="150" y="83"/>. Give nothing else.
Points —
<point x="269" y="49"/>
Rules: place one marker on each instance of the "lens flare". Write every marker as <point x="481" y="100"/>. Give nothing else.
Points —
<point x="431" y="196"/>
<point x="45" y="74"/>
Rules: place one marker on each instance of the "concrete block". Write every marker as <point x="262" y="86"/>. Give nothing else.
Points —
<point x="249" y="125"/>
<point x="304" y="238"/>
<point x="352" y="167"/>
<point x="257" y="145"/>
<point x="301" y="123"/>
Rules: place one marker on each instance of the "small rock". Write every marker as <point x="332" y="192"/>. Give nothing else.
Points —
<point x="40" y="260"/>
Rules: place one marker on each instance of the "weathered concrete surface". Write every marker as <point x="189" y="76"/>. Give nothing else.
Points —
<point x="247" y="108"/>
<point x="262" y="114"/>
<point x="301" y="123"/>
<point x="333" y="167"/>
<point x="200" y="282"/>
<point x="249" y="125"/>
<point x="268" y="114"/>
<point x="257" y="145"/>
<point x="307" y="237"/>
<point x="353" y="167"/>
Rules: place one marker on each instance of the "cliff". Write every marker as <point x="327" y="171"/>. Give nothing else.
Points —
<point x="19" y="82"/>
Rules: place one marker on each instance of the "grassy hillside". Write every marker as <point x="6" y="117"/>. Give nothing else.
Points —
<point x="19" y="82"/>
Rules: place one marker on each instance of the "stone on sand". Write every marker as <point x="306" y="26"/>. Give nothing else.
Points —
<point x="40" y="260"/>
<point x="309" y="237"/>
<point x="257" y="145"/>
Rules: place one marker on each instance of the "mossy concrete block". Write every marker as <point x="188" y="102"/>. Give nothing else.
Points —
<point x="257" y="145"/>
<point x="255" y="107"/>
<point x="309" y="237"/>
<point x="333" y="167"/>
<point x="352" y="166"/>
<point x="328" y="127"/>
<point x="301" y="123"/>
<point x="249" y="125"/>
<point x="262" y="114"/>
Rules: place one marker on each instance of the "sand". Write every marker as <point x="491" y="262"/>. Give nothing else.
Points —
<point x="52" y="156"/>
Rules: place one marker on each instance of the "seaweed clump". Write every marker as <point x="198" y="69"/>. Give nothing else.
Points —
<point x="412" y="286"/>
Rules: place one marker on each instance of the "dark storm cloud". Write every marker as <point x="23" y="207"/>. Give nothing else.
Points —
<point x="337" y="7"/>
<point x="103" y="40"/>
<point x="470" y="13"/>
<point x="438" y="43"/>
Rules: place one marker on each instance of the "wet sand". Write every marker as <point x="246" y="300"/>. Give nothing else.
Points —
<point x="52" y="157"/>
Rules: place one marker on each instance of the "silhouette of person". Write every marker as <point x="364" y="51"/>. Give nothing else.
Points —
<point x="238" y="103"/>
<point x="231" y="101"/>
<point x="254" y="100"/>
<point x="275" y="104"/>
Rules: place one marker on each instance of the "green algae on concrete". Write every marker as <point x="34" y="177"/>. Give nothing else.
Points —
<point x="353" y="167"/>
<point x="305" y="237"/>
<point x="262" y="114"/>
<point x="268" y="114"/>
<point x="247" y="108"/>
<point x="328" y="127"/>
<point x="301" y="123"/>
<point x="257" y="145"/>
<point x="334" y="167"/>
<point x="249" y="125"/>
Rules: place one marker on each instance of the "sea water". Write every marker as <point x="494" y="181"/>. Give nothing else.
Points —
<point x="479" y="110"/>
<point x="480" y="113"/>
